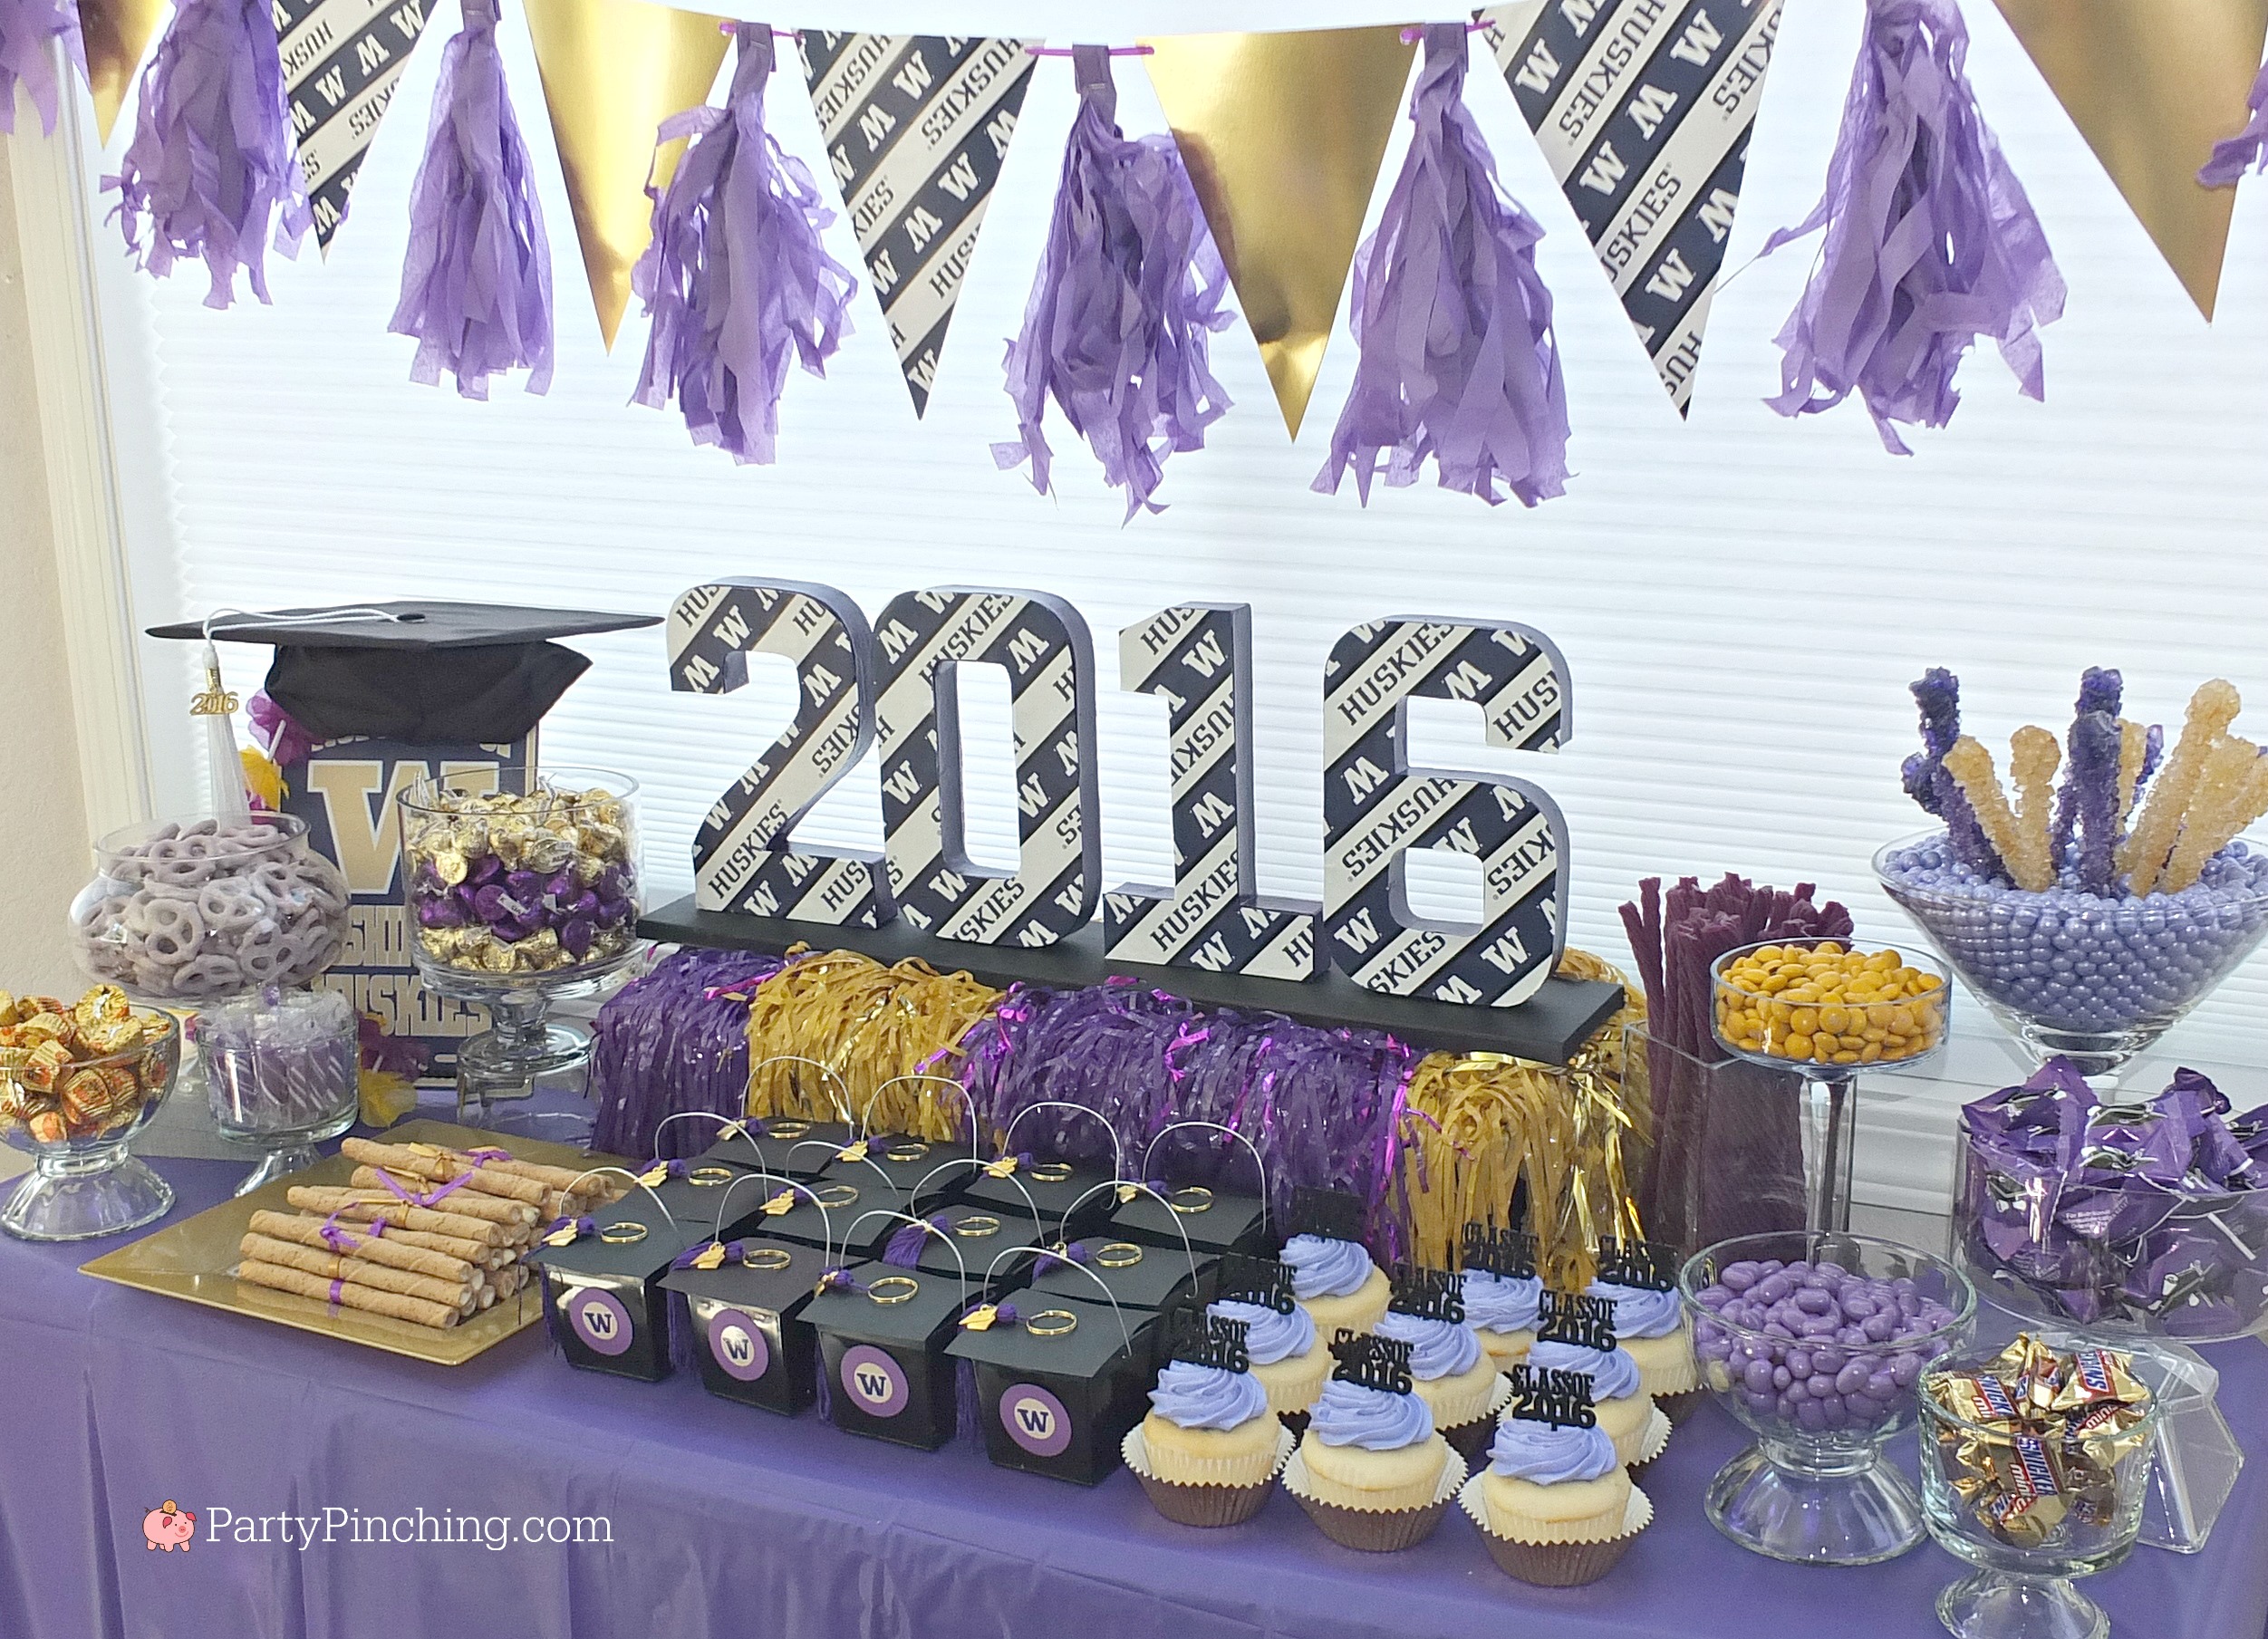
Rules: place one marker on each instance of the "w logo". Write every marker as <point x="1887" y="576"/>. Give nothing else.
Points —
<point x="876" y="1383"/>
<point x="1035" y="1419"/>
<point x="873" y="1385"/>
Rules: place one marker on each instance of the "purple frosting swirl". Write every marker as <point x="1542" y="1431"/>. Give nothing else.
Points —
<point x="1547" y="1455"/>
<point x="1373" y="1419"/>
<point x="1206" y="1397"/>
<point x="1501" y="1303"/>
<point x="1269" y="1337"/>
<point x="1613" y="1376"/>
<point x="1639" y="1311"/>
<point x="1326" y="1269"/>
<point x="1438" y="1348"/>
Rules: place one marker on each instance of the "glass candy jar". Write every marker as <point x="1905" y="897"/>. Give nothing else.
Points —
<point x="71" y="1097"/>
<point x="282" y="1074"/>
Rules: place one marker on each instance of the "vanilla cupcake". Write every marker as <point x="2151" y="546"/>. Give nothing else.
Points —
<point x="1555" y="1506"/>
<point x="1208" y="1426"/>
<point x="1626" y="1412"/>
<point x="1501" y="1311"/>
<point x="1290" y="1360"/>
<point x="1453" y="1375"/>
<point x="1651" y="1327"/>
<point x="1336" y="1283"/>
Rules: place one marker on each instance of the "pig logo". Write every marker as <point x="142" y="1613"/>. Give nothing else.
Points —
<point x="169" y="1528"/>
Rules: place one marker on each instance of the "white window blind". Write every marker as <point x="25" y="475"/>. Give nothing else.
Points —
<point x="1740" y="599"/>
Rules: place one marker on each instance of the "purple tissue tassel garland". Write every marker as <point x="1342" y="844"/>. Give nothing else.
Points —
<point x="25" y="28"/>
<point x="211" y="160"/>
<point x="1129" y="286"/>
<point x="1458" y="359"/>
<point x="2249" y="147"/>
<point x="1930" y="240"/>
<point x="476" y="285"/>
<point x="736" y="272"/>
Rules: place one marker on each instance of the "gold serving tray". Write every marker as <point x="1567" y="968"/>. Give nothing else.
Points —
<point x="193" y="1259"/>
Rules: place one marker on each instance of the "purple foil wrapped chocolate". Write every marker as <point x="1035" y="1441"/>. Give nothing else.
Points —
<point x="2148" y="1214"/>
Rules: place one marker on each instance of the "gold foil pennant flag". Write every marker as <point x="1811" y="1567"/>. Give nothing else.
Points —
<point x="2152" y="84"/>
<point x="710" y="1257"/>
<point x="917" y="128"/>
<point x="1644" y="112"/>
<point x="341" y="60"/>
<point x="1283" y="135"/>
<point x="117" y="33"/>
<point x="612" y="72"/>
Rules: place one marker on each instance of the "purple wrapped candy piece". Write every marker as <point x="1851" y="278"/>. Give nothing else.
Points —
<point x="489" y="905"/>
<point x="523" y="885"/>
<point x="443" y="912"/>
<point x="487" y="870"/>
<point x="575" y="937"/>
<point x="612" y="913"/>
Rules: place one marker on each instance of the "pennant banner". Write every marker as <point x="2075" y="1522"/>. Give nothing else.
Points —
<point x="1283" y="135"/>
<point x="2152" y="84"/>
<point x="1644" y="110"/>
<point x="341" y="60"/>
<point x="917" y="126"/>
<point x="117" y="33"/>
<point x="613" y="72"/>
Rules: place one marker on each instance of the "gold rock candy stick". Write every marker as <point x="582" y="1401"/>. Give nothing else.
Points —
<point x="2033" y="758"/>
<point x="1971" y="765"/>
<point x="2134" y="746"/>
<point x="2142" y="856"/>
<point x="2227" y="794"/>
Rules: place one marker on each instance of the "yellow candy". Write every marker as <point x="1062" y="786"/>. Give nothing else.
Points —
<point x="1829" y="1005"/>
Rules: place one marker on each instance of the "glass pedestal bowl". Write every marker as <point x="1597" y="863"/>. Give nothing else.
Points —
<point x="2096" y="980"/>
<point x="281" y="1075"/>
<point x="1813" y="1490"/>
<point x="74" y="1123"/>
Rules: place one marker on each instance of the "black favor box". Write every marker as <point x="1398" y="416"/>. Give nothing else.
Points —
<point x="887" y="1375"/>
<point x="603" y="1300"/>
<point x="750" y="1340"/>
<point x="1052" y="1187"/>
<point x="979" y="1234"/>
<point x="925" y="1175"/>
<point x="708" y="1189"/>
<point x="787" y="1146"/>
<point x="1215" y="1220"/>
<point x="1139" y="1277"/>
<point x="838" y="1229"/>
<point x="1058" y="1401"/>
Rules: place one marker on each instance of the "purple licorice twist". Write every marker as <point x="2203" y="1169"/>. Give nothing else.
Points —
<point x="2099" y="689"/>
<point x="1458" y="359"/>
<point x="476" y="285"/>
<point x="1930" y="240"/>
<point x="25" y="28"/>
<point x="2249" y="147"/>
<point x="1937" y="692"/>
<point x="211" y="162"/>
<point x="2094" y="775"/>
<point x="1128" y="288"/>
<point x="735" y="275"/>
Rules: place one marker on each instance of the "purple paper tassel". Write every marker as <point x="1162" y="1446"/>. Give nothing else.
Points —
<point x="664" y="1044"/>
<point x="211" y="162"/>
<point x="736" y="272"/>
<point x="1129" y="286"/>
<point x="2249" y="147"/>
<point x="476" y="285"/>
<point x="1458" y="359"/>
<point x="25" y="28"/>
<point x="1930" y="240"/>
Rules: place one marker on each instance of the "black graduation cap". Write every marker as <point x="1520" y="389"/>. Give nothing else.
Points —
<point x="907" y="1166"/>
<point x="981" y="1233"/>
<point x="783" y="1146"/>
<point x="750" y="1343"/>
<point x="1090" y="1346"/>
<point x="835" y="1230"/>
<point x="704" y="1189"/>
<point x="434" y="673"/>
<point x="1140" y="1277"/>
<point x="613" y="1247"/>
<point x="775" y="1276"/>
<point x="1051" y="1186"/>
<point x="1215" y="1220"/>
<point x="901" y="1306"/>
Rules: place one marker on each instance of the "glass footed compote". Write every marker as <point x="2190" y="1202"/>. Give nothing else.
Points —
<point x="2096" y="980"/>
<point x="1799" y="1004"/>
<point x="281" y="1075"/>
<point x="76" y="1127"/>
<point x="1815" y="1342"/>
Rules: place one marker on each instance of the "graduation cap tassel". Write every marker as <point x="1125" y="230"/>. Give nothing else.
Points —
<point x="736" y="274"/>
<point x="26" y="26"/>
<point x="211" y="164"/>
<point x="476" y="285"/>
<point x="224" y="768"/>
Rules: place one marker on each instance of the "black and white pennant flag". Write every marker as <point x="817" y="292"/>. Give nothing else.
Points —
<point x="1644" y="110"/>
<point x="342" y="59"/>
<point x="917" y="126"/>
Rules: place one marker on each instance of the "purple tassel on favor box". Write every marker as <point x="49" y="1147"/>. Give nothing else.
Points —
<point x="1130" y="285"/>
<point x="475" y="286"/>
<point x="1930" y="240"/>
<point x="2249" y="147"/>
<point x="211" y="162"/>
<point x="25" y="28"/>
<point x="736" y="272"/>
<point x="1458" y="359"/>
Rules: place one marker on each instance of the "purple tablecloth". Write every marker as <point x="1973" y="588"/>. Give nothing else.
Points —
<point x="728" y="1522"/>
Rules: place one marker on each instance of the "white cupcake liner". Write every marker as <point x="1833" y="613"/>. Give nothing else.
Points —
<point x="1222" y="1471"/>
<point x="1375" y="1531"/>
<point x="1556" y="1564"/>
<point x="1652" y="1439"/>
<point x="1207" y="1506"/>
<point x="1470" y="1441"/>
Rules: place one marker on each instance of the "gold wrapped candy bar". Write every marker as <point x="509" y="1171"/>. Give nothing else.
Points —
<point x="76" y="1070"/>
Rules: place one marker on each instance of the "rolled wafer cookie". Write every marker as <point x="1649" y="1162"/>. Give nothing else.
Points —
<point x="266" y="1249"/>
<point x="440" y="1166"/>
<point x="471" y="1202"/>
<point x="363" y="1205"/>
<point x="344" y="1240"/>
<point x="280" y="1278"/>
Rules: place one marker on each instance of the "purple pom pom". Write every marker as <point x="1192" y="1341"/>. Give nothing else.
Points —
<point x="1130" y="285"/>
<point x="211" y="163"/>
<point x="1930" y="240"/>
<point x="476" y="285"/>
<point x="736" y="272"/>
<point x="25" y="28"/>
<point x="1458" y="359"/>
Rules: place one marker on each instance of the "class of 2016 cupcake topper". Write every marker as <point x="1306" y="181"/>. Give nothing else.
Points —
<point x="1371" y="1362"/>
<point x="1547" y="1394"/>
<point x="1264" y="1281"/>
<point x="1332" y="1214"/>
<point x="1427" y="1294"/>
<point x="1508" y="1253"/>
<point x="1207" y="1340"/>
<point x="1651" y="1264"/>
<point x="1574" y="1317"/>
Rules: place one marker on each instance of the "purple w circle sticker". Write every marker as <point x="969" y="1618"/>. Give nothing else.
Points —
<point x="874" y="1381"/>
<point x="600" y="1320"/>
<point x="1034" y="1419"/>
<point x="738" y="1344"/>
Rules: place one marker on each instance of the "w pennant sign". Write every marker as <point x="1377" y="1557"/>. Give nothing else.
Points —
<point x="1644" y="108"/>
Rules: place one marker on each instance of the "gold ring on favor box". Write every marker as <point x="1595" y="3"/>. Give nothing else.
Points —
<point x="765" y="1258"/>
<point x="1191" y="1199"/>
<point x="627" y="1232"/>
<point x="1118" y="1255"/>
<point x="894" y="1288"/>
<point x="709" y="1178"/>
<point x="1051" y="1172"/>
<point x="977" y="1226"/>
<point x="901" y="1152"/>
<point x="786" y="1129"/>
<point x="836" y="1195"/>
<point x="1052" y="1323"/>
